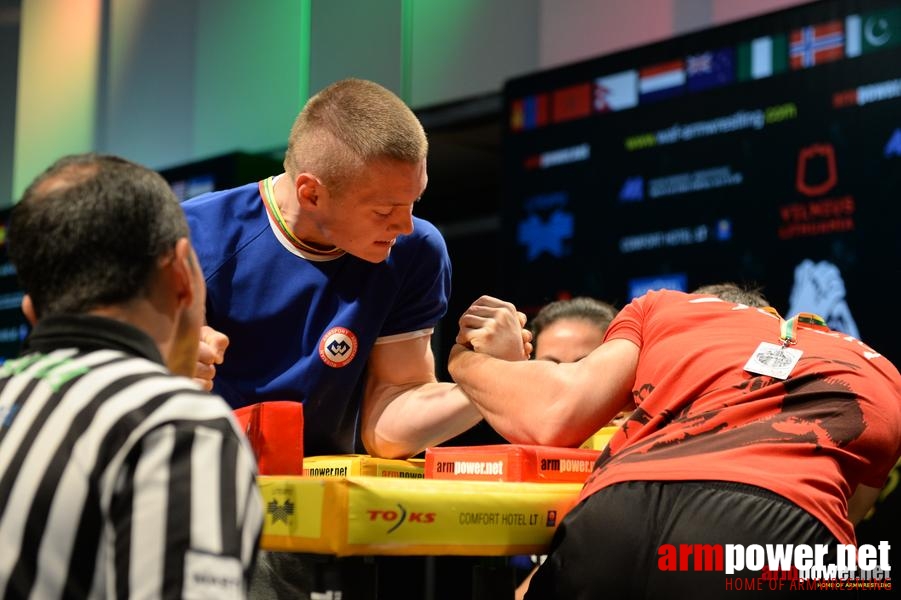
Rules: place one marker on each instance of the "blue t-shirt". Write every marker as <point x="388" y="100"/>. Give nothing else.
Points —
<point x="302" y="329"/>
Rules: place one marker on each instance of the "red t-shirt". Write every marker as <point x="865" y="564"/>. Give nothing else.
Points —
<point x="834" y="423"/>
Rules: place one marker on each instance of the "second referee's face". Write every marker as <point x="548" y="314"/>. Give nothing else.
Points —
<point x="567" y="340"/>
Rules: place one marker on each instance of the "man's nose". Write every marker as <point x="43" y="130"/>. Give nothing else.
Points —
<point x="404" y="223"/>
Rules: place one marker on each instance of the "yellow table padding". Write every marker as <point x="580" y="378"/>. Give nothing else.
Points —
<point x="343" y="465"/>
<point x="599" y="440"/>
<point x="345" y="516"/>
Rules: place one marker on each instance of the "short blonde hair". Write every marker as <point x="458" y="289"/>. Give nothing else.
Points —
<point x="347" y="126"/>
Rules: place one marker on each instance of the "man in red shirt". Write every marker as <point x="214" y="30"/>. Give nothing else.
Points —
<point x="749" y="429"/>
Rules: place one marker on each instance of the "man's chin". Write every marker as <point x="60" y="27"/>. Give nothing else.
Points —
<point x="374" y="257"/>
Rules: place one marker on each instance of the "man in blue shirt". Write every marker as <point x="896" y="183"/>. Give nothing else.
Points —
<point x="328" y="288"/>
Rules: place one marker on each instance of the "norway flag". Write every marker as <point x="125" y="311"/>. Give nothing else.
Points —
<point x="816" y="44"/>
<point x="661" y="81"/>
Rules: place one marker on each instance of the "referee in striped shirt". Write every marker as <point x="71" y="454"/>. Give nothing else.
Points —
<point x="119" y="476"/>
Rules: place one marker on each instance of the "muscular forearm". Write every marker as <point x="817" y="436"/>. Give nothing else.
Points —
<point x="516" y="398"/>
<point x="413" y="417"/>
<point x="538" y="402"/>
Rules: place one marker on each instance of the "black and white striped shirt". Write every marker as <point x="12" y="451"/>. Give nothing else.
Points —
<point x="118" y="479"/>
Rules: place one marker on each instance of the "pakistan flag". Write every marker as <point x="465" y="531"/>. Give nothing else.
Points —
<point x="872" y="31"/>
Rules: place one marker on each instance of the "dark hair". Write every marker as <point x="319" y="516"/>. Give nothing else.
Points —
<point x="582" y="307"/>
<point x="88" y="233"/>
<point x="732" y="292"/>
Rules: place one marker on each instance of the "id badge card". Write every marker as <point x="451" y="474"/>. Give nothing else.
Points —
<point x="773" y="360"/>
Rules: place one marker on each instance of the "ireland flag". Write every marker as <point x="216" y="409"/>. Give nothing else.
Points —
<point x="872" y="31"/>
<point x="762" y="57"/>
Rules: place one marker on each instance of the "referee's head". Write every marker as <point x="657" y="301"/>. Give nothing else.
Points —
<point x="100" y="234"/>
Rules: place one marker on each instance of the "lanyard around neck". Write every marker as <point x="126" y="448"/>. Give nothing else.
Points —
<point x="268" y="192"/>
<point x="788" y="329"/>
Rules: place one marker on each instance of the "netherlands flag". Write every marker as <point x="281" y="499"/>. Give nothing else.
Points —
<point x="661" y="81"/>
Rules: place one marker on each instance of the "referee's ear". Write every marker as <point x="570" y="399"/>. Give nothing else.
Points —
<point x="182" y="271"/>
<point x="28" y="310"/>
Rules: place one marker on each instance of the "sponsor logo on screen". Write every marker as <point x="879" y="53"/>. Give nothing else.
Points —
<point x="820" y="213"/>
<point x="816" y="172"/>
<point x="558" y="157"/>
<point x="868" y="94"/>
<point x="632" y="190"/>
<point x="546" y="236"/>
<point x="548" y="226"/>
<point x="679" y="236"/>
<point x="670" y="281"/>
<point x="738" y="121"/>
<point x="695" y="181"/>
<point x="819" y="288"/>
<point x="893" y="146"/>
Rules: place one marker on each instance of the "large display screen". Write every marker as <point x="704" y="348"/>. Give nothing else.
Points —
<point x="13" y="326"/>
<point x="765" y="152"/>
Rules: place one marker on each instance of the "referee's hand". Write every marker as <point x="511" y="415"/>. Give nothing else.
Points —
<point x="212" y="352"/>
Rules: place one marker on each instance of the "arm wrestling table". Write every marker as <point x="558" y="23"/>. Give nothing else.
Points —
<point x="361" y="516"/>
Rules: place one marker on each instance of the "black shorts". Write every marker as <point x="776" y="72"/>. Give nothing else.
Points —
<point x="607" y="546"/>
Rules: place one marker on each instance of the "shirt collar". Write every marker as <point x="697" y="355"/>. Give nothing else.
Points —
<point x="91" y="332"/>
